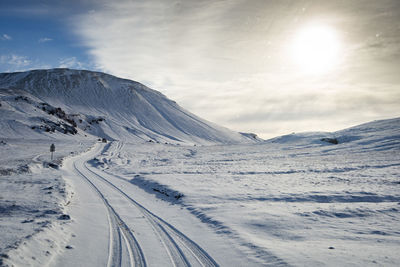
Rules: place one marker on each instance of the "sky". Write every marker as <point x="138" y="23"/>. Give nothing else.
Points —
<point x="270" y="67"/>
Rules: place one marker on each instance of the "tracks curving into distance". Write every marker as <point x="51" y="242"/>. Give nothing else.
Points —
<point x="154" y="239"/>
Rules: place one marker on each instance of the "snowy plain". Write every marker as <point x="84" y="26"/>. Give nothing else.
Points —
<point x="293" y="200"/>
<point x="171" y="189"/>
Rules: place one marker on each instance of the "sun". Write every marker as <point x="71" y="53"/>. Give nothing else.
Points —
<point x="316" y="49"/>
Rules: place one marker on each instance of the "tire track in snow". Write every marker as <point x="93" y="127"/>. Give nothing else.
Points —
<point x="117" y="228"/>
<point x="174" y="252"/>
<point x="180" y="247"/>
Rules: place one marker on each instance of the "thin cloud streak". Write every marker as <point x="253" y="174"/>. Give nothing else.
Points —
<point x="6" y="37"/>
<point x="45" y="39"/>
<point x="71" y="62"/>
<point x="16" y="61"/>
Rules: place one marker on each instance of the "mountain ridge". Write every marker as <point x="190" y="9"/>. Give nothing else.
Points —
<point x="130" y="110"/>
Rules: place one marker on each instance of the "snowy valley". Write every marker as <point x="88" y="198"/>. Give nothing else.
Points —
<point x="171" y="189"/>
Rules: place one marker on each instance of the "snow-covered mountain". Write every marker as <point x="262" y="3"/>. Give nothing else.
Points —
<point x="64" y="101"/>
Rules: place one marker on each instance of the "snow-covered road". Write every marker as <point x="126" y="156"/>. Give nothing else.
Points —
<point x="135" y="235"/>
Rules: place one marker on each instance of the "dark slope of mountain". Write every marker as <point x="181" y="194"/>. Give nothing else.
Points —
<point x="101" y="105"/>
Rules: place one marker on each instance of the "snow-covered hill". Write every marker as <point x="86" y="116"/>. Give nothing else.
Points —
<point x="375" y="135"/>
<point x="64" y="101"/>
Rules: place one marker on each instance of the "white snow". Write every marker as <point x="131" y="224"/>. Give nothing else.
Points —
<point x="305" y="199"/>
<point x="32" y="191"/>
<point x="299" y="201"/>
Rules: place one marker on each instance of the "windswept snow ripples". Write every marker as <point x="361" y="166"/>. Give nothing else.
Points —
<point x="334" y="170"/>
<point x="348" y="197"/>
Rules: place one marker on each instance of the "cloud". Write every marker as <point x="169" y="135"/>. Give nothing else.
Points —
<point x="6" y="37"/>
<point x="15" y="60"/>
<point x="280" y="108"/>
<point x="44" y="40"/>
<point x="227" y="61"/>
<point x="71" y="62"/>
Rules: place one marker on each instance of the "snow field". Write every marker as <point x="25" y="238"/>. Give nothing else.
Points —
<point x="155" y="198"/>
<point x="166" y="235"/>
<point x="281" y="204"/>
<point x="110" y="222"/>
<point x="33" y="196"/>
<point x="294" y="200"/>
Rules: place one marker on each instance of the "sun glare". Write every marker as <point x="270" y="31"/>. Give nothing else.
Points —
<point x="315" y="49"/>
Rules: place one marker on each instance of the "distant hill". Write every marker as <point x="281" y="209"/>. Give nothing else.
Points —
<point x="376" y="135"/>
<point x="65" y="102"/>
